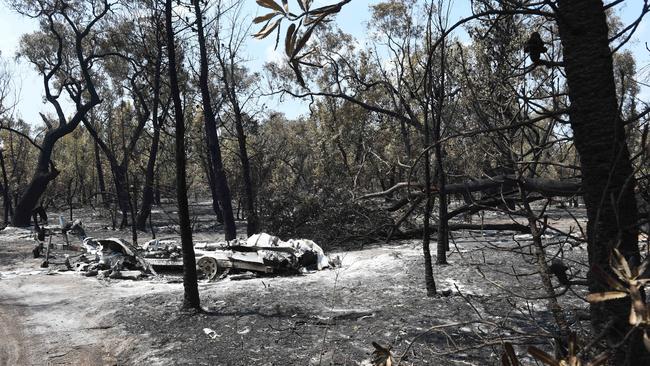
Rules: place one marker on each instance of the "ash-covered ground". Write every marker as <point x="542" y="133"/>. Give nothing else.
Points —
<point x="489" y="293"/>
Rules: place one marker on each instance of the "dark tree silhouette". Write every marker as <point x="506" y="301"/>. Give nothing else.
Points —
<point x="607" y="173"/>
<point x="84" y="96"/>
<point x="226" y="56"/>
<point x="191" y="298"/>
<point x="210" y="121"/>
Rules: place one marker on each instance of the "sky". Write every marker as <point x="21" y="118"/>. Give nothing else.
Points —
<point x="353" y="19"/>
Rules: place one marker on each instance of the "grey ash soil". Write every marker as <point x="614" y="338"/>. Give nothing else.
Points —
<point x="322" y="318"/>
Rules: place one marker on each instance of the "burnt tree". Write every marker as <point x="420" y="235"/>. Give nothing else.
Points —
<point x="120" y="167"/>
<point x="191" y="296"/>
<point x="607" y="173"/>
<point x="157" y="119"/>
<point x="210" y="122"/>
<point x="227" y="61"/>
<point x="82" y="92"/>
<point x="8" y="211"/>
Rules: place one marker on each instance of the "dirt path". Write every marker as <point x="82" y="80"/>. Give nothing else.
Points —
<point x="11" y="332"/>
<point x="63" y="318"/>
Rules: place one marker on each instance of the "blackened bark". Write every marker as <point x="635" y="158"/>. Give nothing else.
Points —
<point x="252" y="219"/>
<point x="426" y="239"/>
<point x="132" y="182"/>
<point x="442" y="245"/>
<point x="209" y="172"/>
<point x="42" y="174"/>
<point x="443" y="232"/>
<point x="607" y="173"/>
<point x="147" y="191"/>
<point x="406" y="139"/>
<point x="210" y="122"/>
<point x="191" y="295"/>
<point x="118" y="170"/>
<point x="122" y="191"/>
<point x="5" y="190"/>
<point x="100" y="176"/>
<point x="41" y="178"/>
<point x="157" y="193"/>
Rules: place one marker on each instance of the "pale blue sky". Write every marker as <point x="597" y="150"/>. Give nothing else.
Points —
<point x="352" y="19"/>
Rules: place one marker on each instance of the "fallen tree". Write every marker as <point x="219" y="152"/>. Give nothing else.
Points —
<point x="417" y="233"/>
<point x="497" y="191"/>
<point x="543" y="186"/>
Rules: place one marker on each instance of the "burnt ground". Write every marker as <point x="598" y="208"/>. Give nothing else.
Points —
<point x="321" y="318"/>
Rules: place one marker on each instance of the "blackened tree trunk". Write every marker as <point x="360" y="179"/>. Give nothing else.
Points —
<point x="121" y="190"/>
<point x="43" y="175"/>
<point x="147" y="191"/>
<point x="120" y="168"/>
<point x="5" y="190"/>
<point x="443" y="218"/>
<point x="157" y="194"/>
<point x="209" y="172"/>
<point x="443" y="228"/>
<point x="252" y="219"/>
<point x="100" y="176"/>
<point x="119" y="171"/>
<point x="191" y="296"/>
<point x="426" y="236"/>
<point x="221" y="182"/>
<point x="85" y="99"/>
<point x="607" y="173"/>
<point x="132" y="182"/>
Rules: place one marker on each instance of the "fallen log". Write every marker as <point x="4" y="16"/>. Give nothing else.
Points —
<point x="543" y="186"/>
<point x="417" y="233"/>
<point x="484" y="204"/>
<point x="499" y="227"/>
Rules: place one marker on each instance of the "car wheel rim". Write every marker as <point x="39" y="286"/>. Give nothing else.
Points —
<point x="209" y="267"/>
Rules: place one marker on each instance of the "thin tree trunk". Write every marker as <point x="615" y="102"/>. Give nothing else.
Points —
<point x="5" y="190"/>
<point x="132" y="182"/>
<point x="100" y="176"/>
<point x="122" y="191"/>
<point x="406" y="139"/>
<point x="211" y="132"/>
<point x="191" y="295"/>
<point x="214" y="192"/>
<point x="443" y="232"/>
<point x="607" y="173"/>
<point x="426" y="239"/>
<point x="252" y="219"/>
<point x="147" y="191"/>
<point x="119" y="169"/>
<point x="157" y="193"/>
